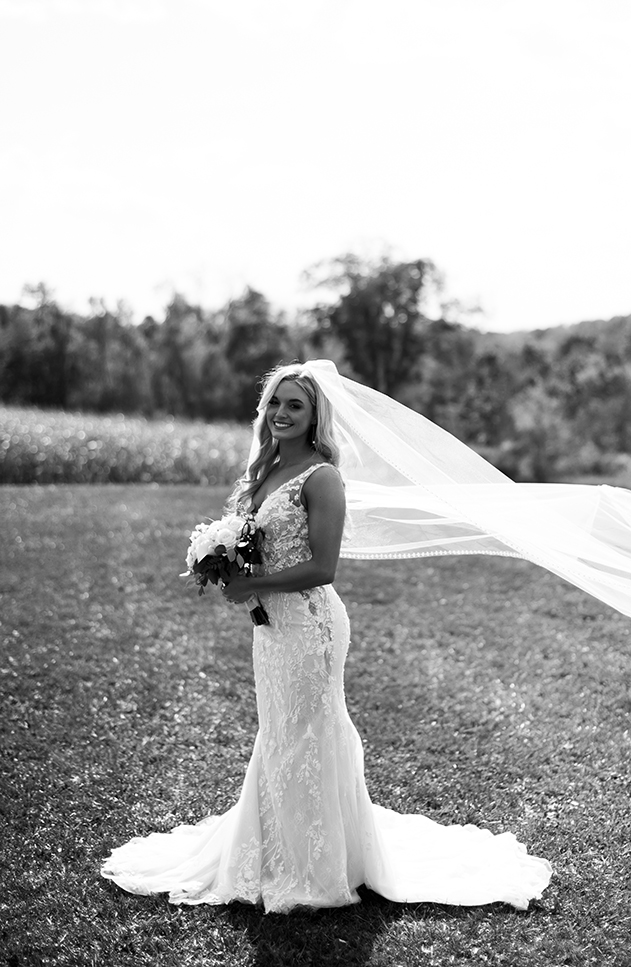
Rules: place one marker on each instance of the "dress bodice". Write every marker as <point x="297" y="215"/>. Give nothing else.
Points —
<point x="285" y="525"/>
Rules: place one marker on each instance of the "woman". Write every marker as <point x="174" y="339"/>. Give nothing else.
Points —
<point x="304" y="831"/>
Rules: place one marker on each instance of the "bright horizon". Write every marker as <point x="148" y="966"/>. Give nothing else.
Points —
<point x="199" y="146"/>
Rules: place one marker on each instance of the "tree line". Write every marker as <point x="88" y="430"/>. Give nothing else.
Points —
<point x="539" y="404"/>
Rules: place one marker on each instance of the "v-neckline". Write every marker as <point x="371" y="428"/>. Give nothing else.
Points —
<point x="284" y="484"/>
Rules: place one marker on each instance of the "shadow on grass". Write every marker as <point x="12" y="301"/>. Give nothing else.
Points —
<point x="354" y="936"/>
<point x="375" y="933"/>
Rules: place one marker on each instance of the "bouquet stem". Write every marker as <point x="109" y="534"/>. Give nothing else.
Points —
<point x="258" y="613"/>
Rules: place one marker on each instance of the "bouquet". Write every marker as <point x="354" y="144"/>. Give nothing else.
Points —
<point x="221" y="550"/>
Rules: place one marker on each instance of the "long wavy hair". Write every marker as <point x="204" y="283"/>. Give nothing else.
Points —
<point x="323" y="440"/>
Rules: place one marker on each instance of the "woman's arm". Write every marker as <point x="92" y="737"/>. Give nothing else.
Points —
<point x="325" y="502"/>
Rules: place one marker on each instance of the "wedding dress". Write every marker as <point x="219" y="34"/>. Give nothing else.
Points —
<point x="304" y="830"/>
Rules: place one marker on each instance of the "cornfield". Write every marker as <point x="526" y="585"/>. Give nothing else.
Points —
<point x="49" y="446"/>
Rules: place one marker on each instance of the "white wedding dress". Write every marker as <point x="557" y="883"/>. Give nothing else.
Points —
<point x="304" y="830"/>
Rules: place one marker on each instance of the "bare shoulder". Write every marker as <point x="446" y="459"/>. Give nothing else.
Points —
<point x="324" y="485"/>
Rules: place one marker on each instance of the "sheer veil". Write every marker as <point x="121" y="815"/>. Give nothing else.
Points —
<point x="414" y="490"/>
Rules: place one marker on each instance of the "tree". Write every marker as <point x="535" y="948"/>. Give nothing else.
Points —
<point x="254" y="341"/>
<point x="37" y="363"/>
<point x="484" y="410"/>
<point x="174" y="360"/>
<point x="378" y="316"/>
<point x="19" y="369"/>
<point x="439" y="379"/>
<point x="593" y="387"/>
<point x="543" y="436"/>
<point x="53" y="329"/>
<point x="112" y="361"/>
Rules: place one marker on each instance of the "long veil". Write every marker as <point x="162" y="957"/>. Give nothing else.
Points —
<point x="414" y="490"/>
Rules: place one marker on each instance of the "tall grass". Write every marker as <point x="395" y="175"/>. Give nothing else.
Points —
<point x="49" y="446"/>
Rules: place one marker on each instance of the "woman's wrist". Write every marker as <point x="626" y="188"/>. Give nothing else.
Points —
<point x="254" y="585"/>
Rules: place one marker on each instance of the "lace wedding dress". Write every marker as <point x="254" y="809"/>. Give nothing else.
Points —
<point x="304" y="830"/>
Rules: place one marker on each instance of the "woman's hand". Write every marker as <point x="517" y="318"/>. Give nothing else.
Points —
<point x="238" y="590"/>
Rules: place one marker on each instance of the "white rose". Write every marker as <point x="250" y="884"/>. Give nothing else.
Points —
<point x="227" y="537"/>
<point x="203" y="547"/>
<point x="213" y="529"/>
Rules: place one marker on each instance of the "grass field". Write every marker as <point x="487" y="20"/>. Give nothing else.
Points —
<point x="485" y="690"/>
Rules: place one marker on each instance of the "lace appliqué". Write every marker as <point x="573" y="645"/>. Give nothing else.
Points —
<point x="298" y="663"/>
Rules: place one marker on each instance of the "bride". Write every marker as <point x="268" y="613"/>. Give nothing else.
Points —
<point x="304" y="831"/>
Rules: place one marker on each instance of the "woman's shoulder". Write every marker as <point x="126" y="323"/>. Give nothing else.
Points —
<point x="330" y="470"/>
<point x="322" y="479"/>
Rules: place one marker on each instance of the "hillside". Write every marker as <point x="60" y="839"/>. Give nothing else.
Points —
<point x="608" y="334"/>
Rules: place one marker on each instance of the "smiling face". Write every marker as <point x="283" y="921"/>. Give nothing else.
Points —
<point x="290" y="414"/>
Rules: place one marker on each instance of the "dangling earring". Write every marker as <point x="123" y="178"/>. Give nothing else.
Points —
<point x="314" y="430"/>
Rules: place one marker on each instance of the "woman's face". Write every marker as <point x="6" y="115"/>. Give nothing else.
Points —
<point x="290" y="414"/>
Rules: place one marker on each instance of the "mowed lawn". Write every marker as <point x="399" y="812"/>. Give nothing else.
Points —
<point x="486" y="690"/>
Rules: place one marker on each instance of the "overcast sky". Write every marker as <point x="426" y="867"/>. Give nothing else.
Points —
<point x="204" y="145"/>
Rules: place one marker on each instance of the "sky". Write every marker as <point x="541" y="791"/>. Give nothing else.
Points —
<point x="199" y="146"/>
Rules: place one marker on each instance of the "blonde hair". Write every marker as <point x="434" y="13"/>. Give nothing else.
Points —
<point x="323" y="440"/>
